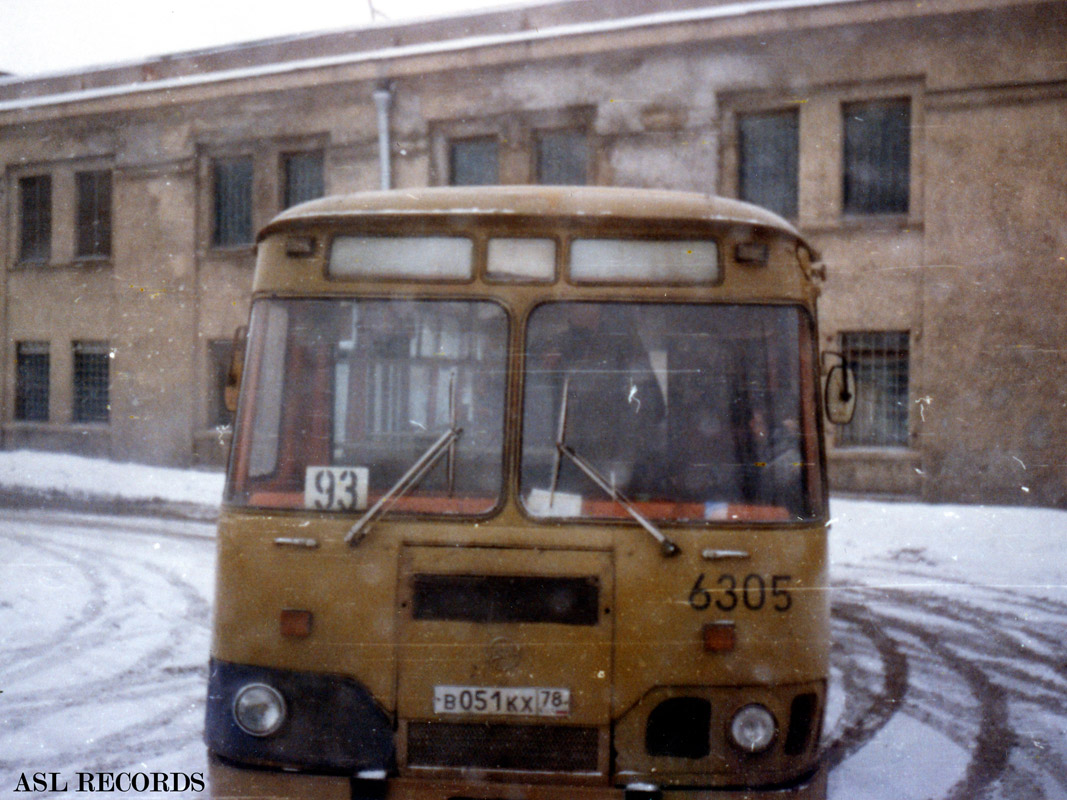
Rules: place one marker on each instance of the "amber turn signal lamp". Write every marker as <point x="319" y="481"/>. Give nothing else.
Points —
<point x="719" y="637"/>
<point x="295" y="622"/>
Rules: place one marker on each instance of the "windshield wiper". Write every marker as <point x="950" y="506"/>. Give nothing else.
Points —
<point x="410" y="479"/>
<point x="667" y="546"/>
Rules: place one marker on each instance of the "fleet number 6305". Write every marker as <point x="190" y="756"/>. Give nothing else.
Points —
<point x="753" y="591"/>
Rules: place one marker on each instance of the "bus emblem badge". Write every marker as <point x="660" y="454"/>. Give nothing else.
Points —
<point x="503" y="655"/>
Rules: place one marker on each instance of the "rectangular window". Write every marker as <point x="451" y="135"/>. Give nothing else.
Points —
<point x="35" y="228"/>
<point x="94" y="214"/>
<point x="31" y="381"/>
<point x="562" y="158"/>
<point x="879" y="360"/>
<point x="877" y="157"/>
<point x="232" y="202"/>
<point x="343" y="397"/>
<point x="415" y="257"/>
<point x="220" y="353"/>
<point x="474" y="162"/>
<point x="303" y="177"/>
<point x="769" y="145"/>
<point x="665" y="261"/>
<point x="91" y="373"/>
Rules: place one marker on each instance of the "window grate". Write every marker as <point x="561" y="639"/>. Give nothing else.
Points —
<point x="32" y="370"/>
<point x="880" y="362"/>
<point x="233" y="202"/>
<point x="94" y="213"/>
<point x="474" y="162"/>
<point x="562" y="158"/>
<point x="303" y="177"/>
<point x="91" y="372"/>
<point x="877" y="157"/>
<point x="35" y="202"/>
<point x="769" y="144"/>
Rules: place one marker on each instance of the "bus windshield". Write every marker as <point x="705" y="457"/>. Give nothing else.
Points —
<point x="344" y="396"/>
<point x="687" y="411"/>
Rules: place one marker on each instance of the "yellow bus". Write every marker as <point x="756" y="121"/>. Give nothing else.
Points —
<point x="526" y="500"/>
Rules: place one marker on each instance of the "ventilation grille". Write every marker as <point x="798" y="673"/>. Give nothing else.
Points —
<point x="544" y="748"/>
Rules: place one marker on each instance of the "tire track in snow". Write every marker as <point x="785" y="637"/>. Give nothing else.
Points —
<point x="156" y="697"/>
<point x="980" y="662"/>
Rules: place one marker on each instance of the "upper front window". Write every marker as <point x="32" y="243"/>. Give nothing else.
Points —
<point x="348" y="402"/>
<point x="644" y="261"/>
<point x="402" y="257"/>
<point x="688" y="412"/>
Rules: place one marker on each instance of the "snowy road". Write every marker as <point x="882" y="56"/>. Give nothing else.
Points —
<point x="103" y="641"/>
<point x="947" y="681"/>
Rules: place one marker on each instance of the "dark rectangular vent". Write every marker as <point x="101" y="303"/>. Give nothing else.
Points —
<point x="551" y="748"/>
<point x="506" y="598"/>
<point x="801" y="723"/>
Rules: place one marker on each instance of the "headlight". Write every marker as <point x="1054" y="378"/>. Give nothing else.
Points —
<point x="259" y="709"/>
<point x="753" y="728"/>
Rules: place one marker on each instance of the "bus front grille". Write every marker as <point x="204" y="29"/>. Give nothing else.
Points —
<point x="545" y="748"/>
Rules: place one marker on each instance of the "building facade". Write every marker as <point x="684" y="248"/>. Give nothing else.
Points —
<point x="921" y="146"/>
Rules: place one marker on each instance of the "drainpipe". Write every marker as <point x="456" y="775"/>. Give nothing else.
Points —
<point x="382" y="100"/>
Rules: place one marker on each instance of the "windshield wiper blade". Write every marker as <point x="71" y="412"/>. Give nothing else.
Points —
<point x="410" y="479"/>
<point x="407" y="481"/>
<point x="667" y="546"/>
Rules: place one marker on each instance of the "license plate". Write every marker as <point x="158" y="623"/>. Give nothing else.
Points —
<point x="521" y="701"/>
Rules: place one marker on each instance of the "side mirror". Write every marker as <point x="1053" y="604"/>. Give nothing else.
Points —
<point x="237" y="362"/>
<point x="839" y="395"/>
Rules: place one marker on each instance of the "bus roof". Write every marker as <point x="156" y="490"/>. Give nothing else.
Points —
<point x="563" y="201"/>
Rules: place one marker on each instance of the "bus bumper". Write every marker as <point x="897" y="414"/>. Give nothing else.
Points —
<point x="227" y="782"/>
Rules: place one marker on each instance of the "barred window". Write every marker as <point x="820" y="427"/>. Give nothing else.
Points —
<point x="879" y="360"/>
<point x="220" y="353"/>
<point x="303" y="177"/>
<point x="769" y="145"/>
<point x="233" y="202"/>
<point x="563" y="158"/>
<point x="94" y="213"/>
<point x="91" y="372"/>
<point x="474" y="162"/>
<point x="877" y="157"/>
<point x="35" y="222"/>
<point x="31" y="381"/>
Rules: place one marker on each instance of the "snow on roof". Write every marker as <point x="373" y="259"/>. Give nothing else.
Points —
<point x="537" y="200"/>
<point x="738" y="9"/>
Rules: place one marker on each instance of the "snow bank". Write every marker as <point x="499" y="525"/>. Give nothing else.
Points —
<point x="91" y="478"/>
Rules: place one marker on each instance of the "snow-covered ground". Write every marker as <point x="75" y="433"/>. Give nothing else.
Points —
<point x="93" y="478"/>
<point x="949" y="668"/>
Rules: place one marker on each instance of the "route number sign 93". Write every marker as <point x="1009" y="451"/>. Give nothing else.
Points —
<point x="336" y="488"/>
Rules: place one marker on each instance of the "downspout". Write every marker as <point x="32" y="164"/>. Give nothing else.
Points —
<point x="383" y="98"/>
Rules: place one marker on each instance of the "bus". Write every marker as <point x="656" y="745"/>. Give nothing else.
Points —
<point x="526" y="499"/>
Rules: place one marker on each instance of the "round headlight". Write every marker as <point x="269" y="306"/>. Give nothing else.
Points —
<point x="259" y="709"/>
<point x="753" y="728"/>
